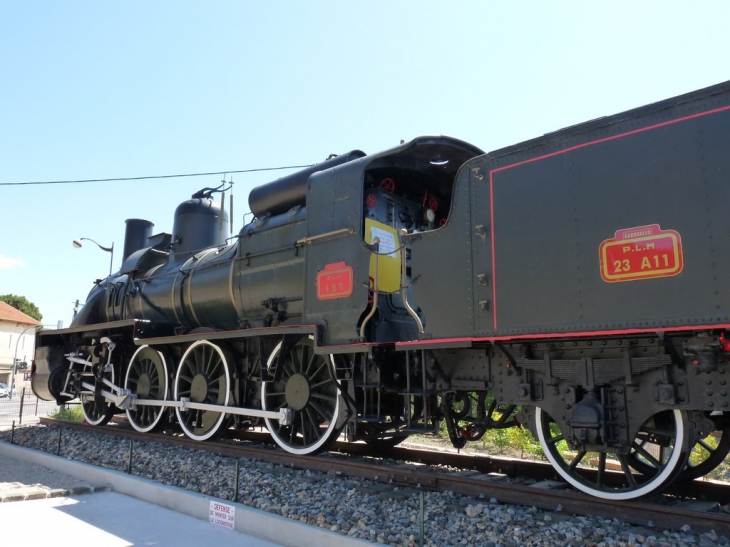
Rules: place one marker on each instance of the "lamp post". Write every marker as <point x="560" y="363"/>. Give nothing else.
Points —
<point x="15" y="358"/>
<point x="77" y="243"/>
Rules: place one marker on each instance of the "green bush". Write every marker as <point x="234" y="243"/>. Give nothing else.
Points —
<point x="517" y="440"/>
<point x="69" y="413"/>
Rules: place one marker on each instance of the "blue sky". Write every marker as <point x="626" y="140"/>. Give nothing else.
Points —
<point x="125" y="89"/>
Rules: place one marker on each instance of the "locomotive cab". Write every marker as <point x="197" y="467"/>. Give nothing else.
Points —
<point x="406" y="188"/>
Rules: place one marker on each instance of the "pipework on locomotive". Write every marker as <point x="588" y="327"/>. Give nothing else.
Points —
<point x="571" y="284"/>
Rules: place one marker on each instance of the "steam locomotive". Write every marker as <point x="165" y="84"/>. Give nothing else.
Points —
<point x="573" y="284"/>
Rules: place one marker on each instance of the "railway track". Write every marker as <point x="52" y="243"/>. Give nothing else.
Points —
<point x="699" y="504"/>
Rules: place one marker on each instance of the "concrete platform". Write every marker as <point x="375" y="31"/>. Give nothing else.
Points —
<point x="108" y="519"/>
<point x="121" y="510"/>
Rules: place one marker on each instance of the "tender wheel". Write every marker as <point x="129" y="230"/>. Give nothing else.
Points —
<point x="203" y="377"/>
<point x="96" y="409"/>
<point x="307" y="385"/>
<point x="666" y="431"/>
<point x="500" y="416"/>
<point x="459" y="404"/>
<point x="147" y="379"/>
<point x="475" y="413"/>
<point x="706" y="455"/>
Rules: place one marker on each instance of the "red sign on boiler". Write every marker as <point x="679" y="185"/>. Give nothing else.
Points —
<point x="644" y="252"/>
<point x="335" y="281"/>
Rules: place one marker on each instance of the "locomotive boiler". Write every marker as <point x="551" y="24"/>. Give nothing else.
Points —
<point x="572" y="284"/>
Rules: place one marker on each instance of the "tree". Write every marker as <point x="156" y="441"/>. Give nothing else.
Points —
<point x="23" y="304"/>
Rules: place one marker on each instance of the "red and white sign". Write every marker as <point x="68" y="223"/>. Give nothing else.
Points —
<point x="335" y="281"/>
<point x="223" y="515"/>
<point x="644" y="252"/>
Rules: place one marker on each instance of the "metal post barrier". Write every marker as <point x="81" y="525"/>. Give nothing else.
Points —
<point x="422" y="518"/>
<point x="22" y="400"/>
<point x="235" y="483"/>
<point x="12" y="433"/>
<point x="129" y="460"/>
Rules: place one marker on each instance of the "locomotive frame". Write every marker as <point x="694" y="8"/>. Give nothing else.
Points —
<point x="364" y="298"/>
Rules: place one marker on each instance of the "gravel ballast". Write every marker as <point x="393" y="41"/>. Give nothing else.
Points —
<point x="359" y="508"/>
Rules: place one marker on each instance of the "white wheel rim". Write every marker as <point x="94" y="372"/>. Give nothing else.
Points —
<point x="214" y="429"/>
<point x="89" y="419"/>
<point x="643" y="490"/>
<point x="130" y="415"/>
<point x="272" y="425"/>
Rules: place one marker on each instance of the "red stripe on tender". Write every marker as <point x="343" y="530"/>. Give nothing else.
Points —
<point x="494" y="258"/>
<point x="560" y="335"/>
<point x="614" y="137"/>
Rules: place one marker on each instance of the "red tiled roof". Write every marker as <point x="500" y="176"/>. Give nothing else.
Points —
<point x="11" y="315"/>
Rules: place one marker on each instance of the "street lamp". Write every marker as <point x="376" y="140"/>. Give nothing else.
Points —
<point x="77" y="243"/>
<point x="15" y="358"/>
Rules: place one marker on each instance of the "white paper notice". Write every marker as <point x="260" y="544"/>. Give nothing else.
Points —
<point x="387" y="241"/>
<point x="223" y="515"/>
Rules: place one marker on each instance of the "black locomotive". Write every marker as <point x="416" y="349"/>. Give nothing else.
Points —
<point x="573" y="284"/>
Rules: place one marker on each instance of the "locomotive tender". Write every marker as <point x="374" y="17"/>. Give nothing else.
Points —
<point x="573" y="284"/>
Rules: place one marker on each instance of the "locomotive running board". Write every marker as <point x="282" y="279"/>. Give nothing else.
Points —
<point x="128" y="401"/>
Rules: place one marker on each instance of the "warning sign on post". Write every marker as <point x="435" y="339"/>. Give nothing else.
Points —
<point x="223" y="515"/>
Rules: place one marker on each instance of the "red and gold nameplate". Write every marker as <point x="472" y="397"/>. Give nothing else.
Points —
<point x="644" y="252"/>
<point x="335" y="281"/>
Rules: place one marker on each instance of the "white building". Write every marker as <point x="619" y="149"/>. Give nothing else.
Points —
<point x="17" y="337"/>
